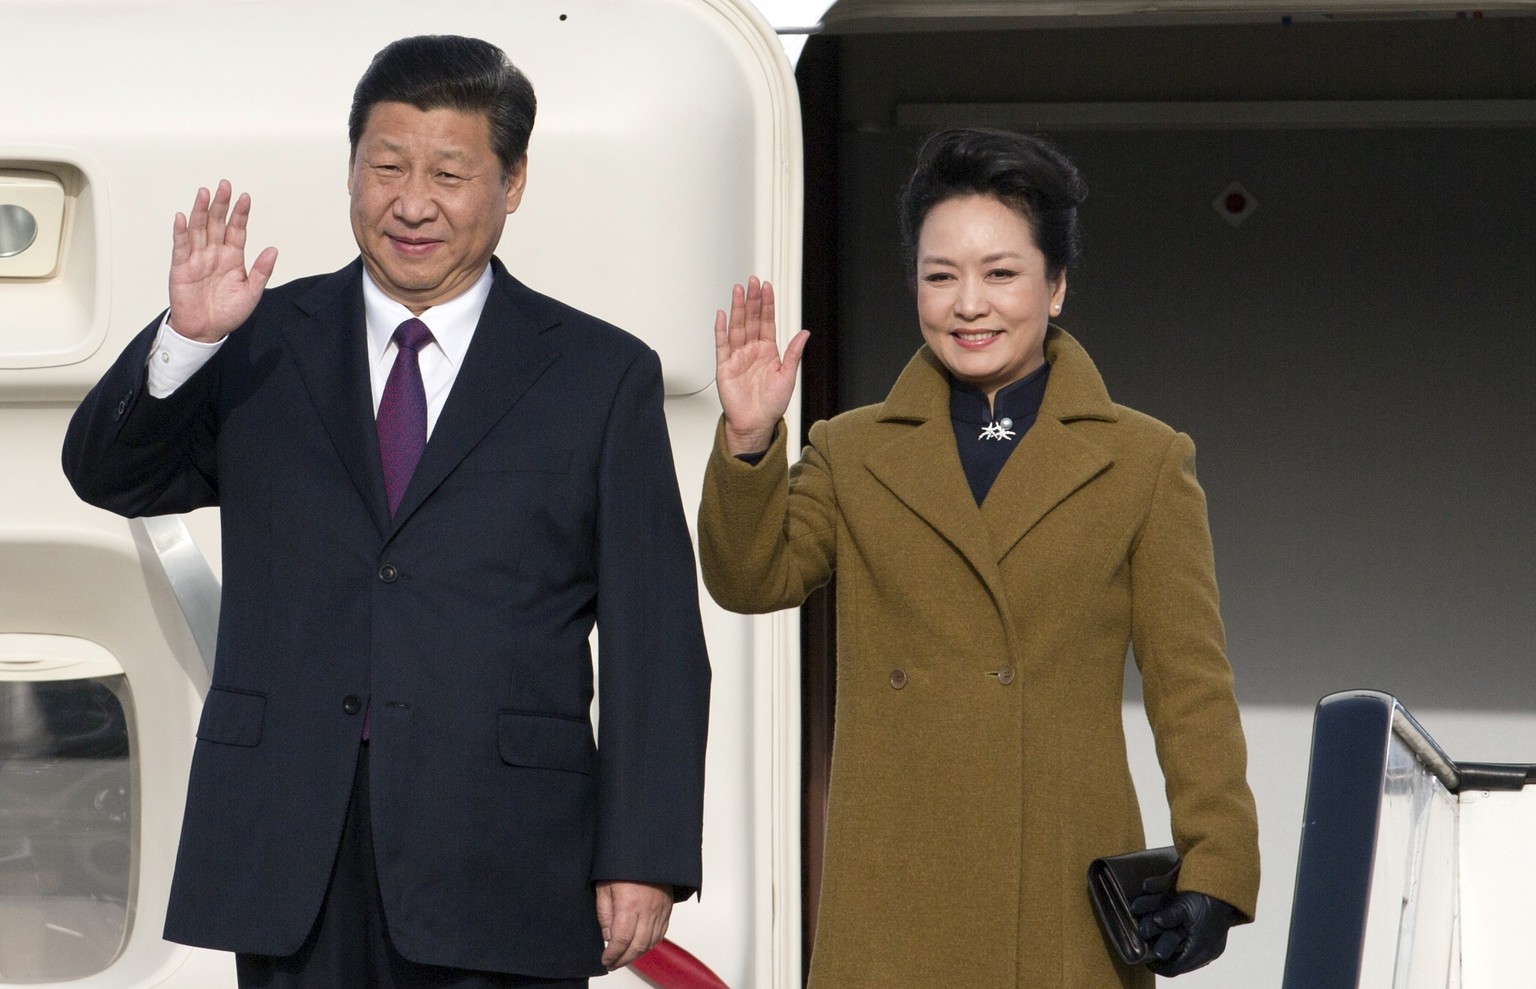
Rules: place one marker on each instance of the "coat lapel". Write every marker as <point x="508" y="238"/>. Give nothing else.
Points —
<point x="1052" y="460"/>
<point x="922" y="467"/>
<point x="1050" y="464"/>
<point x="509" y="352"/>
<point x="329" y="348"/>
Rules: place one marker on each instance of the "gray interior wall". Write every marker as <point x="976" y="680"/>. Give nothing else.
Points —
<point x="1354" y="361"/>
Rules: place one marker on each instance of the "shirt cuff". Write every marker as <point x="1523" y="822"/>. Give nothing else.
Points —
<point x="755" y="458"/>
<point x="174" y="359"/>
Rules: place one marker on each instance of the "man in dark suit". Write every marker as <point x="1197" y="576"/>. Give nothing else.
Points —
<point x="433" y="483"/>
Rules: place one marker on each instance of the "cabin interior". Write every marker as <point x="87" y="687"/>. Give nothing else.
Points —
<point x="1310" y="243"/>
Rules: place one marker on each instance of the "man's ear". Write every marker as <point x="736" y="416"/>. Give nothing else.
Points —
<point x="517" y="180"/>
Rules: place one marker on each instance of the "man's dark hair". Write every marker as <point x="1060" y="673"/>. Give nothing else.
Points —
<point x="1024" y="173"/>
<point x="446" y="71"/>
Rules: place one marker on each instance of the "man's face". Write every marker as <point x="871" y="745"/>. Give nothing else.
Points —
<point x="429" y="199"/>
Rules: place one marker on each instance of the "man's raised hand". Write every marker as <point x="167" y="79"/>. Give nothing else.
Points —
<point x="211" y="291"/>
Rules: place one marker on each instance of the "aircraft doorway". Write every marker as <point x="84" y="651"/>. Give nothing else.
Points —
<point x="1309" y="243"/>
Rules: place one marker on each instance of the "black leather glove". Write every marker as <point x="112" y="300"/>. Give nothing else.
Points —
<point x="1185" y="930"/>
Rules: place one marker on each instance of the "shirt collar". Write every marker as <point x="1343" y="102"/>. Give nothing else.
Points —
<point x="1018" y="401"/>
<point x="452" y="323"/>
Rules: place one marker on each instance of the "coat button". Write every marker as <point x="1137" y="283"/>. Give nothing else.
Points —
<point x="898" y="679"/>
<point x="1005" y="675"/>
<point x="121" y="408"/>
<point x="351" y="704"/>
<point x="388" y="573"/>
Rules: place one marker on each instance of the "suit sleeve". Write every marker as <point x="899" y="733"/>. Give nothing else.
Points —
<point x="133" y="454"/>
<point x="653" y="672"/>
<point x="1180" y="647"/>
<point x="768" y="531"/>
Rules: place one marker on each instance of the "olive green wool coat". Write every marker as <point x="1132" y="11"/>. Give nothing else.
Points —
<point x="979" y="761"/>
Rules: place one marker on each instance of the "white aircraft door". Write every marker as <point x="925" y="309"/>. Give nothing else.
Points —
<point x="664" y="166"/>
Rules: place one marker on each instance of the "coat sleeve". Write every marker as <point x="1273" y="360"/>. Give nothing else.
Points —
<point x="1180" y="648"/>
<point x="653" y="672"/>
<point x="768" y="532"/>
<point x="133" y="454"/>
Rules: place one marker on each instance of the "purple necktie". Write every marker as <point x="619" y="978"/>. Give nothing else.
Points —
<point x="402" y="418"/>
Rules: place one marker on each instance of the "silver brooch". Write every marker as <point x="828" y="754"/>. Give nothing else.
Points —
<point x="1000" y="430"/>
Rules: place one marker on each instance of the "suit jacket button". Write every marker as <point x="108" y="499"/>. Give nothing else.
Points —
<point x="121" y="408"/>
<point x="898" y="678"/>
<point x="1005" y="675"/>
<point x="388" y="573"/>
<point x="351" y="704"/>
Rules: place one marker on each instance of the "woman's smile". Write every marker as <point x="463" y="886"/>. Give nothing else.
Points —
<point x="983" y="296"/>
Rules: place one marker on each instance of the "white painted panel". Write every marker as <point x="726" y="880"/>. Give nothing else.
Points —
<point x="1498" y="870"/>
<point x="664" y="165"/>
<point x="1412" y="910"/>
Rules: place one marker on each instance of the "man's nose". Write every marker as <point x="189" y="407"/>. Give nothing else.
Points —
<point x="417" y="202"/>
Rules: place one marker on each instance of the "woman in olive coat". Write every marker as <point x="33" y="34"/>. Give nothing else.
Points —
<point x="1001" y="532"/>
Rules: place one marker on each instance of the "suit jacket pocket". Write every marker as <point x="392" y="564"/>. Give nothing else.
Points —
<point x="232" y="717"/>
<point x="543" y="742"/>
<point x="524" y="457"/>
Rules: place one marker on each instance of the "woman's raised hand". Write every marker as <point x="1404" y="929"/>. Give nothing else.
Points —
<point x="754" y="383"/>
<point x="211" y="292"/>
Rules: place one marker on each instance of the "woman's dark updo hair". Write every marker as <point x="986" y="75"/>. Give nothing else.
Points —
<point x="1025" y="173"/>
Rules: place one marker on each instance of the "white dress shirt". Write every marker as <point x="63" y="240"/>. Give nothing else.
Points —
<point x="174" y="358"/>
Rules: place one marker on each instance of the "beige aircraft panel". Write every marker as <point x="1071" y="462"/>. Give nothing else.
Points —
<point x="665" y="164"/>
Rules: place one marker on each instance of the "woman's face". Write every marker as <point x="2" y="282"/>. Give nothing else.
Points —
<point x="983" y="297"/>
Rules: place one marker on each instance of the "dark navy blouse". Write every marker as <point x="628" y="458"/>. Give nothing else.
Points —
<point x="986" y="438"/>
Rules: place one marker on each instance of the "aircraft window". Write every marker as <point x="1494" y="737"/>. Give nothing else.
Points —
<point x="67" y="838"/>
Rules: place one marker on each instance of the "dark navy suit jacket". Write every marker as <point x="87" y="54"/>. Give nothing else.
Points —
<point x="545" y="501"/>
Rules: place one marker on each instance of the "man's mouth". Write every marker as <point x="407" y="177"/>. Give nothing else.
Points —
<point x="413" y="245"/>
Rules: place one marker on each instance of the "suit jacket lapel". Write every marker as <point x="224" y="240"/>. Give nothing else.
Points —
<point x="328" y="345"/>
<point x="509" y="352"/>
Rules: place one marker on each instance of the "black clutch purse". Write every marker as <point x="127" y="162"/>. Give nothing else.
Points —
<point x="1113" y="882"/>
